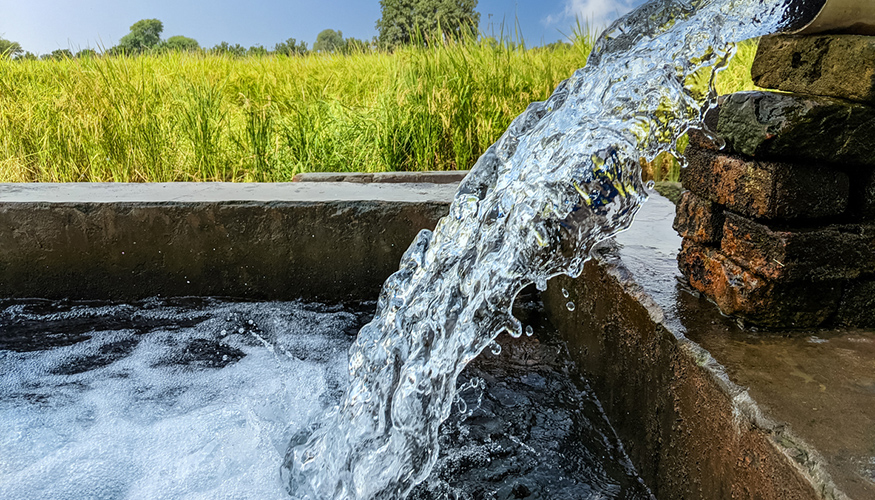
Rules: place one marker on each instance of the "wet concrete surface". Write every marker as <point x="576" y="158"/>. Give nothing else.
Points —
<point x="816" y="387"/>
<point x="820" y="382"/>
<point x="804" y="397"/>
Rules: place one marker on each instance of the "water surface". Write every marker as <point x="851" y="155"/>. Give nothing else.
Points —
<point x="198" y="398"/>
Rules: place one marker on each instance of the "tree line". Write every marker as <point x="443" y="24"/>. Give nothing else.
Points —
<point x="402" y="22"/>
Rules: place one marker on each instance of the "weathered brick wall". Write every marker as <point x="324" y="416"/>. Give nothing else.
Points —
<point x="779" y="225"/>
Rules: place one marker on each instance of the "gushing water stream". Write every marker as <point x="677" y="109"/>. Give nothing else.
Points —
<point x="564" y="176"/>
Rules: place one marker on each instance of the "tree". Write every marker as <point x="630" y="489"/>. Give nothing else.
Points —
<point x="58" y="55"/>
<point x="86" y="53"/>
<point x="290" y="47"/>
<point x="145" y="34"/>
<point x="179" y="44"/>
<point x="557" y="45"/>
<point x="329" y="41"/>
<point x="226" y="48"/>
<point x="221" y="48"/>
<point x="256" y="51"/>
<point x="354" y="46"/>
<point x="9" y="48"/>
<point x="402" y="18"/>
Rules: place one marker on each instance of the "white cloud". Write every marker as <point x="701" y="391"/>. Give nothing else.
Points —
<point x="597" y="13"/>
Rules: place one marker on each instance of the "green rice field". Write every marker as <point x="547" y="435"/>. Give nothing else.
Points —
<point x="200" y="117"/>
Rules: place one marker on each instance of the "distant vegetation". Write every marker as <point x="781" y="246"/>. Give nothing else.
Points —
<point x="402" y="20"/>
<point x="402" y="23"/>
<point x="153" y="109"/>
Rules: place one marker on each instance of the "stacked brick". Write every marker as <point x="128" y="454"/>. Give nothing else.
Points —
<point x="779" y="226"/>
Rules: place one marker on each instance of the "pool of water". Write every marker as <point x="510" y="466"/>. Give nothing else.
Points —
<point x="198" y="398"/>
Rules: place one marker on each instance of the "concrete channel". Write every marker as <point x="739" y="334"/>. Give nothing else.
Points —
<point x="705" y="409"/>
<point x="259" y="241"/>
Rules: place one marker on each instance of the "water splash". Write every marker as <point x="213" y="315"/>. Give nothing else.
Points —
<point x="564" y="176"/>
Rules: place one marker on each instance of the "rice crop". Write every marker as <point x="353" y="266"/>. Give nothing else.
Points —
<point x="206" y="117"/>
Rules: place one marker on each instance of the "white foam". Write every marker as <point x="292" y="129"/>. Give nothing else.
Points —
<point x="145" y="427"/>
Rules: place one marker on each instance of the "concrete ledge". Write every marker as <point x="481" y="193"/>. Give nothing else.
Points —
<point x="693" y="422"/>
<point x="324" y="241"/>
<point x="431" y="177"/>
<point x="222" y="192"/>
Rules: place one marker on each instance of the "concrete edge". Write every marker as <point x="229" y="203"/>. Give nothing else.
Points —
<point x="427" y="177"/>
<point x="222" y="192"/>
<point x="617" y="324"/>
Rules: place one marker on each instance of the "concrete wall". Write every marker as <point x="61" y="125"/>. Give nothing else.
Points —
<point x="332" y="241"/>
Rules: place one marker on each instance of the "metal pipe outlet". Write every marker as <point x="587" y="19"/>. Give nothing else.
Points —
<point x="832" y="16"/>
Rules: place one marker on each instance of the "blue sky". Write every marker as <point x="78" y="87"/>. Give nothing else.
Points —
<point x="41" y="26"/>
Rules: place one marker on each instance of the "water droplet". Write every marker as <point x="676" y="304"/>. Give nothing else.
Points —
<point x="570" y="305"/>
<point x="495" y="347"/>
<point x="529" y="330"/>
<point x="515" y="329"/>
<point x="565" y="293"/>
<point x="541" y="284"/>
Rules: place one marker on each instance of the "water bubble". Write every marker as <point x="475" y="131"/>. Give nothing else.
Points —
<point x="515" y="329"/>
<point x="495" y="347"/>
<point x="570" y="306"/>
<point x="565" y="293"/>
<point x="529" y="330"/>
<point x="541" y="283"/>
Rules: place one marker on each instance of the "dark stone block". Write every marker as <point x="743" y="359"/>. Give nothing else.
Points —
<point x="765" y="189"/>
<point x="699" y="139"/>
<point x="858" y="304"/>
<point x="813" y="129"/>
<point x="862" y="201"/>
<point x="698" y="219"/>
<point x="759" y="301"/>
<point x="827" y="65"/>
<point x="829" y="253"/>
<point x="702" y="139"/>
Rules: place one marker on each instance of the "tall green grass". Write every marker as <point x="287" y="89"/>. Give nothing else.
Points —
<point x="736" y="76"/>
<point x="199" y="117"/>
